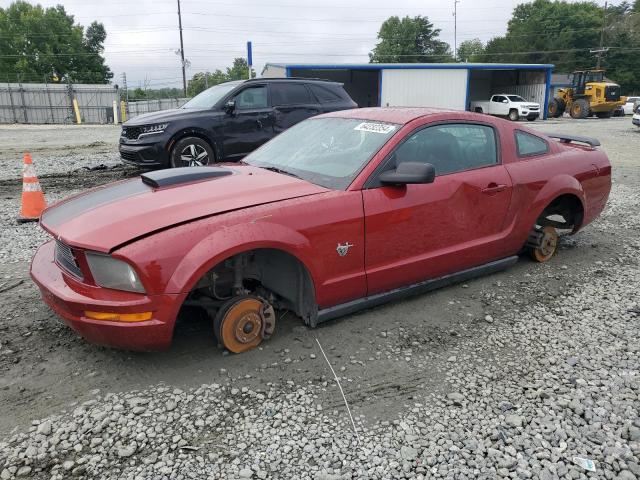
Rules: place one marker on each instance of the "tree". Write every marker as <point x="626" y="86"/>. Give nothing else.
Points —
<point x="409" y="40"/>
<point x="36" y="44"/>
<point x="203" y="80"/>
<point x="471" y="51"/>
<point x="547" y="31"/>
<point x="239" y="70"/>
<point x="562" y="33"/>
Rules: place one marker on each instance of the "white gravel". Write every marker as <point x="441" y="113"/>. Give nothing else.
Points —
<point x="553" y="380"/>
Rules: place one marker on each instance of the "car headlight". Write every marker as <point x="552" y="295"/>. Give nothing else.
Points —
<point x="110" y="272"/>
<point x="149" y="129"/>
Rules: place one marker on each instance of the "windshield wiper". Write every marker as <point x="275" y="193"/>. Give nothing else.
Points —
<point x="279" y="170"/>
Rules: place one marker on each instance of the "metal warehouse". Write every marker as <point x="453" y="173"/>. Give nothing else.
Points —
<point x="441" y="85"/>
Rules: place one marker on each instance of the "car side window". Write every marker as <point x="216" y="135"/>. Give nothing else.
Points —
<point x="498" y="99"/>
<point x="324" y="95"/>
<point x="252" y="97"/>
<point x="289" y="94"/>
<point x="451" y="147"/>
<point x="529" y="145"/>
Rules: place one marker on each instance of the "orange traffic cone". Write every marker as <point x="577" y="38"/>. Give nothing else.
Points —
<point x="33" y="202"/>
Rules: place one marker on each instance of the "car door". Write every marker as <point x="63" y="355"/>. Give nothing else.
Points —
<point x="250" y="124"/>
<point x="292" y="103"/>
<point x="497" y="105"/>
<point x="417" y="232"/>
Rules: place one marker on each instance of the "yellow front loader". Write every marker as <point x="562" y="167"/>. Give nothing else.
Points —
<point x="589" y="94"/>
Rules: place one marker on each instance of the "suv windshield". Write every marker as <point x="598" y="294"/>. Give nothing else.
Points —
<point x="211" y="96"/>
<point x="516" y="98"/>
<point x="326" y="151"/>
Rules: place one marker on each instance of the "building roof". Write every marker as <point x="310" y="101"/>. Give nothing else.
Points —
<point x="413" y="66"/>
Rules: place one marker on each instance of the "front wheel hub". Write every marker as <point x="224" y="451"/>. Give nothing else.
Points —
<point x="243" y="322"/>
<point x="546" y="246"/>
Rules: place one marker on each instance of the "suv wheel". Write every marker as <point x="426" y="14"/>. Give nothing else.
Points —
<point x="191" y="152"/>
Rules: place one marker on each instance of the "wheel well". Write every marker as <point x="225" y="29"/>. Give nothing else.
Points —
<point x="182" y="135"/>
<point x="567" y="206"/>
<point x="478" y="110"/>
<point x="279" y="277"/>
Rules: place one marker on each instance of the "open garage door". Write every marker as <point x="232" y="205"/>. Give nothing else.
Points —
<point x="361" y="84"/>
<point x="529" y="84"/>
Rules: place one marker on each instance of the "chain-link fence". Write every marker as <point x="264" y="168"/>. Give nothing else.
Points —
<point x="53" y="103"/>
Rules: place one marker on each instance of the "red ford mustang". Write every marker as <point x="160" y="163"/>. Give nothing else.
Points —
<point x="341" y="212"/>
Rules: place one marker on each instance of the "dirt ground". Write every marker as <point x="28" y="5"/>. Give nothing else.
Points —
<point x="45" y="367"/>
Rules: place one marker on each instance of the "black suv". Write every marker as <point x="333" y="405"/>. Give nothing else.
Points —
<point x="227" y="121"/>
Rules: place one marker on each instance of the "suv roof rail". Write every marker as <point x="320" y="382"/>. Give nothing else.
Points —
<point x="292" y="78"/>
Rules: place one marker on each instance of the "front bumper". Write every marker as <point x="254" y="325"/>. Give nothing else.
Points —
<point x="529" y="114"/>
<point x="70" y="299"/>
<point x="636" y="120"/>
<point x="144" y="155"/>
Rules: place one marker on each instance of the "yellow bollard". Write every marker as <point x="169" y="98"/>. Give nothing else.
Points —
<point x="77" y="110"/>
<point x="123" y="110"/>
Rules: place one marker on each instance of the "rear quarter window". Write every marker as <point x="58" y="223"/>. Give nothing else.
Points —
<point x="289" y="94"/>
<point x="529" y="145"/>
<point x="324" y="95"/>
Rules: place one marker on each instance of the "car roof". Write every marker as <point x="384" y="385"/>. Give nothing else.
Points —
<point x="399" y="115"/>
<point x="291" y="80"/>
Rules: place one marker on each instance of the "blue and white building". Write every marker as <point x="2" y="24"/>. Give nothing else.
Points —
<point x="440" y="85"/>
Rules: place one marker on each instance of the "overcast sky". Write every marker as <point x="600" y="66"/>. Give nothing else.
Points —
<point x="142" y="35"/>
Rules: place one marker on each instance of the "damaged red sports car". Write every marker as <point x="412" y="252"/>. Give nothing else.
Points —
<point x="342" y="212"/>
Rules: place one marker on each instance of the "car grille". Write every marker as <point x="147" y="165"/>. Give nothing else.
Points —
<point x="534" y="107"/>
<point x="66" y="259"/>
<point x="132" y="133"/>
<point x="612" y="93"/>
<point x="127" y="155"/>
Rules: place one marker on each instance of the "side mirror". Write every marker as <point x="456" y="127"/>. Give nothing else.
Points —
<point x="409" y="172"/>
<point x="230" y="106"/>
<point x="505" y="101"/>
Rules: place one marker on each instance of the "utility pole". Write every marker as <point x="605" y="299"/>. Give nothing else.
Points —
<point x="601" y="50"/>
<point x="124" y="86"/>
<point x="455" y="29"/>
<point x="184" y="74"/>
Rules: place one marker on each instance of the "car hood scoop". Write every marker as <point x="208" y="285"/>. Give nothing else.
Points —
<point x="175" y="176"/>
<point x="107" y="217"/>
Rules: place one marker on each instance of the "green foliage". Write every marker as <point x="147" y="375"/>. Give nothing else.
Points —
<point x="471" y="51"/>
<point x="239" y="70"/>
<point x="156" y="93"/>
<point x="38" y="44"/>
<point x="203" y="80"/>
<point x="562" y="33"/>
<point x="409" y="40"/>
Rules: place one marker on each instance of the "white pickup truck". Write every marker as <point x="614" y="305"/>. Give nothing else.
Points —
<point x="508" y="105"/>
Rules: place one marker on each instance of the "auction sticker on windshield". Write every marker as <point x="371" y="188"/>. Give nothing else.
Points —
<point x="375" y="127"/>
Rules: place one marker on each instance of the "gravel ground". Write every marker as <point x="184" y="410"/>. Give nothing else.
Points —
<point x="57" y="149"/>
<point x="509" y="376"/>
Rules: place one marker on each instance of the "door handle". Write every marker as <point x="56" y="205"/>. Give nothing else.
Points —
<point x="493" y="188"/>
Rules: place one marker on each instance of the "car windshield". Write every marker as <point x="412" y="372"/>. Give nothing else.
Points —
<point x="516" y="98"/>
<point x="211" y="96"/>
<point x="326" y="151"/>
